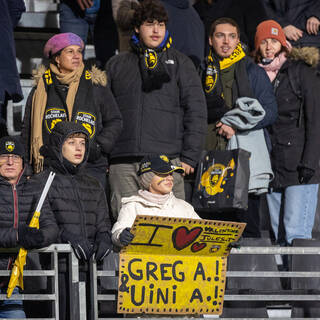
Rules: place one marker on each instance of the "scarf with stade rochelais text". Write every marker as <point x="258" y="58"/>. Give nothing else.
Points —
<point x="153" y="72"/>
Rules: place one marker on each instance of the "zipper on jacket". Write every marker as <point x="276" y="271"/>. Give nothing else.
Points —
<point x="15" y="206"/>
<point x="82" y="213"/>
<point x="16" y="202"/>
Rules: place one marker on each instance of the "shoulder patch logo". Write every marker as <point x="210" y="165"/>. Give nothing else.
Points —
<point x="53" y="116"/>
<point x="88" y="121"/>
<point x="10" y="146"/>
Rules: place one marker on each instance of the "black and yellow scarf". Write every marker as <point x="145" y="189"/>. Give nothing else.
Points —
<point x="214" y="65"/>
<point x="153" y="72"/>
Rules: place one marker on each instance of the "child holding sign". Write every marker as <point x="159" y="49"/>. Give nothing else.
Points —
<point x="155" y="198"/>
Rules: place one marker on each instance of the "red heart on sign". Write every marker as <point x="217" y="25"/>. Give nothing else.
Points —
<point x="198" y="246"/>
<point x="182" y="236"/>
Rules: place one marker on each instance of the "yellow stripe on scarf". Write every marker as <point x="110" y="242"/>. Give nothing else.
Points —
<point x="236" y="56"/>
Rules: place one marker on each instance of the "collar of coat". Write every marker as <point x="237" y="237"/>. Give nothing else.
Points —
<point x="97" y="76"/>
<point x="310" y="55"/>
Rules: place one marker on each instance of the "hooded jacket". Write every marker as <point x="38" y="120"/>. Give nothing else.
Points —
<point x="18" y="204"/>
<point x="77" y="200"/>
<point x="186" y="29"/>
<point x="295" y="134"/>
<point x="137" y="205"/>
<point x="94" y="106"/>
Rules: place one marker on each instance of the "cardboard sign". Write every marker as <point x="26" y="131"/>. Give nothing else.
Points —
<point x="175" y="265"/>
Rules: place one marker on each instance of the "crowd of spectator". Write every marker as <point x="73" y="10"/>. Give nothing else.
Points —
<point x="124" y="134"/>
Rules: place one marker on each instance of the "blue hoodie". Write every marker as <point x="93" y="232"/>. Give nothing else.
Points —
<point x="186" y="29"/>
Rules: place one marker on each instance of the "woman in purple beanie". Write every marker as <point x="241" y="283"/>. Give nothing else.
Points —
<point x="70" y="90"/>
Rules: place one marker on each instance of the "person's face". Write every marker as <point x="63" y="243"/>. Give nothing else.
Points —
<point x="269" y="48"/>
<point x="73" y="149"/>
<point x="152" y="33"/>
<point x="224" y="40"/>
<point x="11" y="166"/>
<point x="69" y="59"/>
<point x="161" y="184"/>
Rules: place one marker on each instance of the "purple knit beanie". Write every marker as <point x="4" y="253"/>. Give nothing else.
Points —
<point x="60" y="41"/>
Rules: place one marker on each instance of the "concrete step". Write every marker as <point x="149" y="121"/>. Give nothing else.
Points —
<point x="41" y="5"/>
<point x="46" y="19"/>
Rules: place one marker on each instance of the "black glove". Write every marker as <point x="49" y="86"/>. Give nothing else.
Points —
<point x="234" y="244"/>
<point x="81" y="246"/>
<point x="305" y="174"/>
<point x="126" y="236"/>
<point x="30" y="238"/>
<point x="103" y="246"/>
<point x="94" y="151"/>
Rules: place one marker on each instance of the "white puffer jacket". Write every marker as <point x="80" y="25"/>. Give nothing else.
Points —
<point x="137" y="205"/>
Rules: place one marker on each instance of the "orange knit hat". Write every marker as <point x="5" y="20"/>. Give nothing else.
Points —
<point x="269" y="29"/>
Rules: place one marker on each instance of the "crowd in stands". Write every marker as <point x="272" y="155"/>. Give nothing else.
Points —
<point x="124" y="135"/>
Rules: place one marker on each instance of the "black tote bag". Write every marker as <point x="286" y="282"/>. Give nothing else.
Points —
<point x="222" y="181"/>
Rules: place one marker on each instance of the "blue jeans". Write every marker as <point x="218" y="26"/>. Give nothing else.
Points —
<point x="11" y="308"/>
<point x="295" y="207"/>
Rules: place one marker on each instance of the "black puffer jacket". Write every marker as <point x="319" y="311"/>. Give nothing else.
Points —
<point x="18" y="204"/>
<point x="295" y="139"/>
<point x="77" y="200"/>
<point x="171" y="120"/>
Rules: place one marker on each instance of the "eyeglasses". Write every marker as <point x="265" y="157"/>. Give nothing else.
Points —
<point x="5" y="157"/>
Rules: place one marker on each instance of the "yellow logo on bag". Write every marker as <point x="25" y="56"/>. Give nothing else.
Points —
<point x="213" y="179"/>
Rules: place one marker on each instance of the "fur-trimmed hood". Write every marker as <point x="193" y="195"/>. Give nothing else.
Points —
<point x="310" y="55"/>
<point x="98" y="77"/>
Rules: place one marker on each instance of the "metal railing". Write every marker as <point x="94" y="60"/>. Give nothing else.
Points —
<point x="273" y="299"/>
<point x="77" y="294"/>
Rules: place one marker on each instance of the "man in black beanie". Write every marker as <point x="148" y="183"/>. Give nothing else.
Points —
<point x="18" y="199"/>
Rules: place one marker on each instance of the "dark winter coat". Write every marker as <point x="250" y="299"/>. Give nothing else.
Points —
<point x="18" y="203"/>
<point x="186" y="29"/>
<point x="170" y="120"/>
<point x="93" y="98"/>
<point x="296" y="13"/>
<point x="258" y="86"/>
<point x="76" y="199"/>
<point x="10" y="13"/>
<point x="247" y="13"/>
<point x="296" y="142"/>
